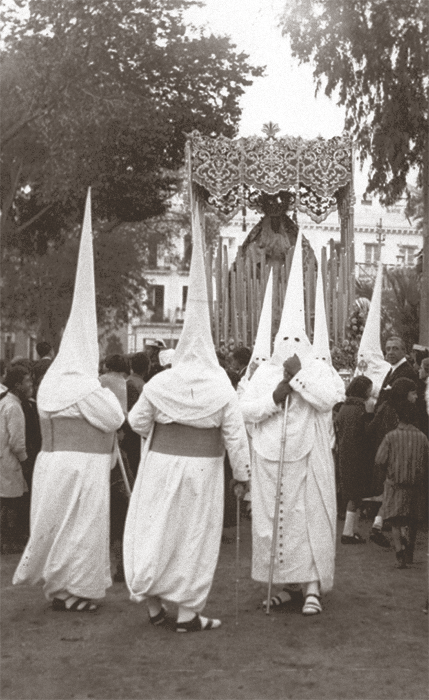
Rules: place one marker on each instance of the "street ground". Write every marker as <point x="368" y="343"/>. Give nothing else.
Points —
<point x="370" y="643"/>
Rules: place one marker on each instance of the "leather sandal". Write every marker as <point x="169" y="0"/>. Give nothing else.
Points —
<point x="196" y="625"/>
<point x="160" y="619"/>
<point x="312" y="605"/>
<point x="277" y="601"/>
<point x="74" y="604"/>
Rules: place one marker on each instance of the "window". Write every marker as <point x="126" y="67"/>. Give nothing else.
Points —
<point x="407" y="254"/>
<point x="372" y="253"/>
<point x="184" y="297"/>
<point x="157" y="299"/>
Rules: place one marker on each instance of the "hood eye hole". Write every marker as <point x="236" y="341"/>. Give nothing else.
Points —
<point x="297" y="340"/>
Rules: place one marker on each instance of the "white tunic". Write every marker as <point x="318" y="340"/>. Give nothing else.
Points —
<point x="69" y="543"/>
<point x="174" y="523"/>
<point x="305" y="549"/>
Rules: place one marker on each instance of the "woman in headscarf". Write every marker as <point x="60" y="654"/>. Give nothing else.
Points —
<point x="353" y="453"/>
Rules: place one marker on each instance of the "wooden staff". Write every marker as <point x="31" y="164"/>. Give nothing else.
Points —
<point x="277" y="507"/>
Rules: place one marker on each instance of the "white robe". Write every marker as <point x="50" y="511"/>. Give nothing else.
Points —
<point x="68" y="547"/>
<point x="174" y="523"/>
<point x="305" y="547"/>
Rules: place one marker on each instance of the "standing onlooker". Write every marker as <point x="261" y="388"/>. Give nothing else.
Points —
<point x="46" y="355"/>
<point x="386" y="418"/>
<point x="400" y="367"/>
<point x="353" y="453"/>
<point x="403" y="455"/>
<point x="116" y="370"/>
<point x="12" y="455"/>
<point x="152" y="349"/>
<point x="131" y="442"/>
<point x="139" y="369"/>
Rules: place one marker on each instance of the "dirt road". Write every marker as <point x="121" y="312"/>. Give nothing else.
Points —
<point x="370" y="642"/>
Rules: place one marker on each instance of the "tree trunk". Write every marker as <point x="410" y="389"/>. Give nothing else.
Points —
<point x="424" y="301"/>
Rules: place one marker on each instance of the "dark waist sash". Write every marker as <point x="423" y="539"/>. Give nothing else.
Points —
<point x="186" y="441"/>
<point x="74" y="435"/>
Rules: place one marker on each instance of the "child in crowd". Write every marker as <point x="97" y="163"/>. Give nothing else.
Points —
<point x="403" y="457"/>
<point x="353" y="454"/>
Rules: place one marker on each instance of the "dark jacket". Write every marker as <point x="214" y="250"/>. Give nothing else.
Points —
<point x="39" y="371"/>
<point x="404" y="370"/>
<point x="354" y="454"/>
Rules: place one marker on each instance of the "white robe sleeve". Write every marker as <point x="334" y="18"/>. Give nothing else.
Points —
<point x="256" y="408"/>
<point x="316" y="386"/>
<point x="235" y="439"/>
<point x="102" y="409"/>
<point x="142" y="416"/>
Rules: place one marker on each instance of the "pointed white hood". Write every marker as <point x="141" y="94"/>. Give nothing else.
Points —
<point x="196" y="385"/>
<point x="291" y="337"/>
<point x="74" y="372"/>
<point x="321" y="348"/>
<point x="262" y="348"/>
<point x="321" y="335"/>
<point x="370" y="359"/>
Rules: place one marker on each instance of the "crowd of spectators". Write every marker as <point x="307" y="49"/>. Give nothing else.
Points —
<point x="362" y="459"/>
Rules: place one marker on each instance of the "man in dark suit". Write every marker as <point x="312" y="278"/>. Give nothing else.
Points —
<point x="400" y="367"/>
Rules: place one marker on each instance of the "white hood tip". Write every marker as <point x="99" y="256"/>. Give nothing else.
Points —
<point x="262" y="347"/>
<point x="370" y="359"/>
<point x="74" y="372"/>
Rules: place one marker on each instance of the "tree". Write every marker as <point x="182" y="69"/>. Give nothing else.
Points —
<point x="96" y="92"/>
<point x="38" y="289"/>
<point x="100" y="93"/>
<point x="373" y="54"/>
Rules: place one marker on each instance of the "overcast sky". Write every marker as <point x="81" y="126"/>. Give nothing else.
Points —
<point x="286" y="94"/>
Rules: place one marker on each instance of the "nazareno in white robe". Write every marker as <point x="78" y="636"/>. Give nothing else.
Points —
<point x="305" y="548"/>
<point x="68" y="549"/>
<point x="174" y="523"/>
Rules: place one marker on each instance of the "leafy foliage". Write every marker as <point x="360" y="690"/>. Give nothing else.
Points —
<point x="373" y="54"/>
<point x="101" y="93"/>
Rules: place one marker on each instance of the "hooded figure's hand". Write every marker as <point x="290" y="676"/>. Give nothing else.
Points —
<point x="292" y="365"/>
<point x="281" y="391"/>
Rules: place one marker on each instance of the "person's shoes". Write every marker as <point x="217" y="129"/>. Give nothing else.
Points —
<point x="312" y="605"/>
<point x="352" y="539"/>
<point x="160" y="619"/>
<point x="278" y="601"/>
<point x="400" y="560"/>
<point x="74" y="604"/>
<point x="377" y="537"/>
<point x="198" y="624"/>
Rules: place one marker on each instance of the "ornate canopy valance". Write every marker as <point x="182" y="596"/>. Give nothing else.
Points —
<point x="233" y="173"/>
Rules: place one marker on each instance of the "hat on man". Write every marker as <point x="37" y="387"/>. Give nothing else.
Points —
<point x="155" y="344"/>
